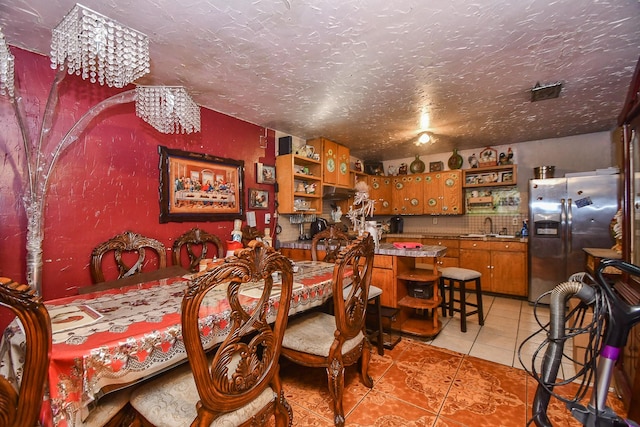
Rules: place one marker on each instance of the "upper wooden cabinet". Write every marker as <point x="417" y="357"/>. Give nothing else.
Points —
<point x="299" y="184"/>
<point x="443" y="193"/>
<point x="490" y="177"/>
<point x="335" y="162"/>
<point x="380" y="191"/>
<point x="407" y="194"/>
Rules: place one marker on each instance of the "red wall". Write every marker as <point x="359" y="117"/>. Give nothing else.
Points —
<point x="107" y="181"/>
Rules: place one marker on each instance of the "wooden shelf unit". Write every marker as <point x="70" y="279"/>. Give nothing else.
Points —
<point x="494" y="176"/>
<point x="292" y="170"/>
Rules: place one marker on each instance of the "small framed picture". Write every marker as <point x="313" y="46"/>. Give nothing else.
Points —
<point x="506" y="176"/>
<point x="258" y="199"/>
<point x="265" y="174"/>
<point x="435" y="166"/>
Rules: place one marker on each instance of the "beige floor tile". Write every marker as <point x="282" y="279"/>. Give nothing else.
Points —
<point x="492" y="354"/>
<point x="452" y="343"/>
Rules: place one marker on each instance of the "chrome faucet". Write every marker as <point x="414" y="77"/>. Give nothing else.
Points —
<point x="490" y="225"/>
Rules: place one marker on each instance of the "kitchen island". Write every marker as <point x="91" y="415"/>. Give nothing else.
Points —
<point x="388" y="263"/>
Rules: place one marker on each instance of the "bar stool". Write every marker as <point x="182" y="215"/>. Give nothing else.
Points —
<point x="456" y="279"/>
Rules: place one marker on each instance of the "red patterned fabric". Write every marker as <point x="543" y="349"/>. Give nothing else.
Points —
<point x="137" y="335"/>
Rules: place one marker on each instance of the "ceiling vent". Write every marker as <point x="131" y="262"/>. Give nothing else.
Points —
<point x="540" y="93"/>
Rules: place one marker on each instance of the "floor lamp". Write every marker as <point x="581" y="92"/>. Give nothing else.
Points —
<point x="103" y="51"/>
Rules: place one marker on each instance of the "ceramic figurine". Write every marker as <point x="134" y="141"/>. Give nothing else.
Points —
<point x="473" y="161"/>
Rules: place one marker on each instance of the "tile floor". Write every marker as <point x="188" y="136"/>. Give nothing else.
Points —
<point x="508" y="322"/>
<point x="457" y="379"/>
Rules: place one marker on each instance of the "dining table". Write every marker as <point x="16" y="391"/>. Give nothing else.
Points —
<point x="114" y="337"/>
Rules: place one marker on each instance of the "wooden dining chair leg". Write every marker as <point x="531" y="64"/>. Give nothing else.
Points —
<point x="335" y="374"/>
<point x="283" y="413"/>
<point x="364" y="365"/>
<point x="380" y="333"/>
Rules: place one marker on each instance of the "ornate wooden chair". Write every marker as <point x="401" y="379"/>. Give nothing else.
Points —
<point x="127" y="242"/>
<point x="19" y="409"/>
<point x="335" y="341"/>
<point x="22" y="408"/>
<point x="199" y="239"/>
<point x="239" y="384"/>
<point x="334" y="241"/>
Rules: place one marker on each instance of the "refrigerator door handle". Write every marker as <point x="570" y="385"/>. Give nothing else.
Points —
<point x="569" y="225"/>
<point x="563" y="225"/>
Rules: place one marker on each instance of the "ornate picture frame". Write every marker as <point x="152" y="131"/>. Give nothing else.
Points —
<point x="199" y="187"/>
<point x="265" y="174"/>
<point x="258" y="199"/>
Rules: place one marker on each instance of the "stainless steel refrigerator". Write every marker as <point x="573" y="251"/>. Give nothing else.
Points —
<point x="566" y="215"/>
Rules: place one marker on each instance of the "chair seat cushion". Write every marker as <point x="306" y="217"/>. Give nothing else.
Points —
<point x="458" y="273"/>
<point x="314" y="334"/>
<point x="374" y="291"/>
<point x="170" y="401"/>
<point x="108" y="406"/>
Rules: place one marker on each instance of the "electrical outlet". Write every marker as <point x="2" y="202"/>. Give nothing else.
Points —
<point x="514" y="221"/>
<point x="267" y="218"/>
<point x="434" y="220"/>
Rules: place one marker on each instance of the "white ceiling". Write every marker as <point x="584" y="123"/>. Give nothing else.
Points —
<point x="361" y="72"/>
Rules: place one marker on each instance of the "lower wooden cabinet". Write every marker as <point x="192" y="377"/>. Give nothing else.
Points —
<point x="296" y="254"/>
<point x="503" y="265"/>
<point x="384" y="277"/>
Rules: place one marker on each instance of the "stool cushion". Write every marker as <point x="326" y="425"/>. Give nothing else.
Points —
<point x="458" y="273"/>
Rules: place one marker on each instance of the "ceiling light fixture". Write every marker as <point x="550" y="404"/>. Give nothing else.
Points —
<point x="169" y="109"/>
<point x="425" y="138"/>
<point x="99" y="49"/>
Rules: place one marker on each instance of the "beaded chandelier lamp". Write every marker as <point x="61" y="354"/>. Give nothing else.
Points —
<point x="103" y="51"/>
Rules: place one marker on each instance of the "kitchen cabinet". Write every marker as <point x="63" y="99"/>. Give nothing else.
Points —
<point x="453" y="251"/>
<point x="296" y="254"/>
<point x="299" y="181"/>
<point x="335" y="162"/>
<point x="383" y="277"/>
<point x="490" y="177"/>
<point x="443" y="193"/>
<point x="380" y="190"/>
<point x="503" y="265"/>
<point x="627" y="372"/>
<point x="407" y="194"/>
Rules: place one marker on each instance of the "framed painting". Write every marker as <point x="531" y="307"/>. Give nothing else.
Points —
<point x="258" y="199"/>
<point x="199" y="187"/>
<point x="265" y="174"/>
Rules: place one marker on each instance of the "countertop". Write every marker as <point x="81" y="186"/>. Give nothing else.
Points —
<point x="382" y="249"/>
<point x="417" y="236"/>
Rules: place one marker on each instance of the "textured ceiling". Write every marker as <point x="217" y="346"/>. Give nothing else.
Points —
<point x="362" y="72"/>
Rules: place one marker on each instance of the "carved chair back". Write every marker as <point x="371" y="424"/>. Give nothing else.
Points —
<point x="350" y="310"/>
<point x="246" y="362"/>
<point x="19" y="409"/>
<point x="333" y="240"/>
<point x="201" y="241"/>
<point x="123" y="244"/>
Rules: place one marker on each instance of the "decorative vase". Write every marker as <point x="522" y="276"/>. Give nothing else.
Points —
<point x="417" y="166"/>
<point x="455" y="161"/>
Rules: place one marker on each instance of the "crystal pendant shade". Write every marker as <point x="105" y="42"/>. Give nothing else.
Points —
<point x="169" y="109"/>
<point x="99" y="49"/>
<point x="6" y="68"/>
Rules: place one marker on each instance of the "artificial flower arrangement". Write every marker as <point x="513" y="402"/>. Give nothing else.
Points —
<point x="362" y="207"/>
